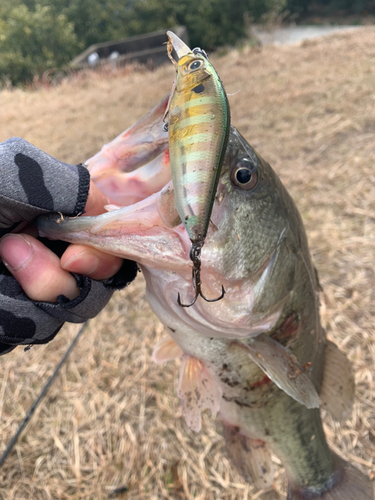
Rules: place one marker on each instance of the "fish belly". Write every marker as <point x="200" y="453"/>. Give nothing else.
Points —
<point x="259" y="418"/>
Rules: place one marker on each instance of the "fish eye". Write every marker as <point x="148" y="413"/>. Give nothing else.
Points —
<point x="245" y="175"/>
<point x="195" y="65"/>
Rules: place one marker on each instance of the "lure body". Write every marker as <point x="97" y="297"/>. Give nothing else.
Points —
<point x="198" y="128"/>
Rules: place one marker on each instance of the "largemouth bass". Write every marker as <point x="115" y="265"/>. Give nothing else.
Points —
<point x="143" y="149"/>
<point x="260" y="357"/>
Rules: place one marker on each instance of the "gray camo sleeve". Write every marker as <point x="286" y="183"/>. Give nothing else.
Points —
<point x="33" y="183"/>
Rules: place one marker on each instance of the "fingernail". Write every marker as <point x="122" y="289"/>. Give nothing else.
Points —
<point x="15" y="251"/>
<point x="82" y="263"/>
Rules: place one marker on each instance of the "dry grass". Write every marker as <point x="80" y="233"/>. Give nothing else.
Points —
<point x="112" y="418"/>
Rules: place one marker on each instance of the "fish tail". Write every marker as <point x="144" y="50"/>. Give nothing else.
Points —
<point x="346" y="483"/>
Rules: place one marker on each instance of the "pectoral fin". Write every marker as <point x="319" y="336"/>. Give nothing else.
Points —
<point x="279" y="364"/>
<point x="252" y="457"/>
<point x="198" y="391"/>
<point x="166" y="350"/>
<point x="337" y="389"/>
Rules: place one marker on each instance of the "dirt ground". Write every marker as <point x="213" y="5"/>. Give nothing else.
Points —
<point x="112" y="419"/>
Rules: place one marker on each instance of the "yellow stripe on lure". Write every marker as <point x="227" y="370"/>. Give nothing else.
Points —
<point x="198" y="128"/>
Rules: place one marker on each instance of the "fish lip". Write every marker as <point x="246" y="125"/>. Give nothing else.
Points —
<point x="144" y="141"/>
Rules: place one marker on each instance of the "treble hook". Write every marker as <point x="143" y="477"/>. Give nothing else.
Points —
<point x="195" y="257"/>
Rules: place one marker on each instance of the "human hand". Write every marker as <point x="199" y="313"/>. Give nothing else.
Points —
<point x="38" y="293"/>
<point x="42" y="274"/>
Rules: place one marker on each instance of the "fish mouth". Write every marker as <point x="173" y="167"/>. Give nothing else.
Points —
<point x="127" y="188"/>
<point x="151" y="233"/>
<point x="136" y="232"/>
<point x="134" y="148"/>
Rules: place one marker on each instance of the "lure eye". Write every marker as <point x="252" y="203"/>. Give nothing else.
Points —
<point x="245" y="175"/>
<point x="195" y="65"/>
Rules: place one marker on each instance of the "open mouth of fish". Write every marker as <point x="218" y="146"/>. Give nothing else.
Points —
<point x="143" y="224"/>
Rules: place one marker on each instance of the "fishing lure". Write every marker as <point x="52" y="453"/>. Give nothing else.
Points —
<point x="198" y="131"/>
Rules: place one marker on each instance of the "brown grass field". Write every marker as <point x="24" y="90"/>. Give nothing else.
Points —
<point x="112" y="417"/>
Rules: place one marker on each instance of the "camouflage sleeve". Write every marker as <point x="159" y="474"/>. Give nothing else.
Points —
<point x="33" y="183"/>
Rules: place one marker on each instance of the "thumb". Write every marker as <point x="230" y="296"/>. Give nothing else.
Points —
<point x="36" y="268"/>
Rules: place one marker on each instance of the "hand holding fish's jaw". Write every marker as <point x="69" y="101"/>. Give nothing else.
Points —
<point x="150" y="233"/>
<point x="136" y="232"/>
<point x="42" y="275"/>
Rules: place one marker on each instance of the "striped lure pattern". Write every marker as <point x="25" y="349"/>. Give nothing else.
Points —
<point x="198" y="128"/>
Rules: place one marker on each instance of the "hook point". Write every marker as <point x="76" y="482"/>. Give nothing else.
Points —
<point x="186" y="305"/>
<point x="214" y="300"/>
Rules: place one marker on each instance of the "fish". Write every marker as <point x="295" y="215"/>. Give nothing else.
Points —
<point x="137" y="155"/>
<point x="259" y="359"/>
<point x="198" y="130"/>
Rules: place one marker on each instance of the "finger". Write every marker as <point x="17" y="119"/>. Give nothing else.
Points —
<point x="85" y="260"/>
<point x="95" y="201"/>
<point x="36" y="268"/>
